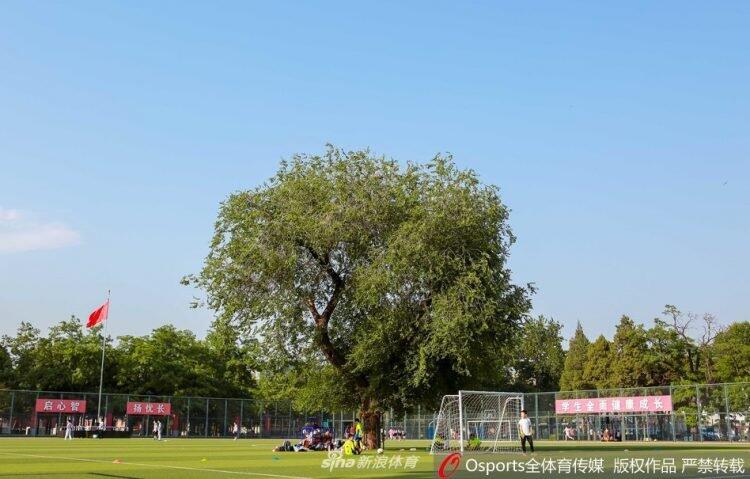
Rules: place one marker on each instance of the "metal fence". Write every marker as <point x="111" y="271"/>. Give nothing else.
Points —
<point x="704" y="412"/>
<point x="189" y="417"/>
<point x="701" y="412"/>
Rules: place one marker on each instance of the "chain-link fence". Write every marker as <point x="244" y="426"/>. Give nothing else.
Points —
<point x="22" y="413"/>
<point x="704" y="412"/>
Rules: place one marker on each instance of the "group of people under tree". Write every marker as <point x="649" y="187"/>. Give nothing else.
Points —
<point x="316" y="438"/>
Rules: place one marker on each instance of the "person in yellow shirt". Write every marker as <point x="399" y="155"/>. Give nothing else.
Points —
<point x="358" y="433"/>
<point x="348" y="447"/>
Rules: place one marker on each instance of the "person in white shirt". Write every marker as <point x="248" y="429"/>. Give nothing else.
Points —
<point x="69" y="429"/>
<point x="524" y="431"/>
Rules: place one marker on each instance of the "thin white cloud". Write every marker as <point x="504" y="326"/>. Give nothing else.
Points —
<point x="18" y="234"/>
<point x="9" y="215"/>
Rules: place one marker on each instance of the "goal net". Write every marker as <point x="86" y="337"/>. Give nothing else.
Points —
<point x="478" y="421"/>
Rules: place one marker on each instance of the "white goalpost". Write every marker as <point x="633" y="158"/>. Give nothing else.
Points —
<point x="481" y="421"/>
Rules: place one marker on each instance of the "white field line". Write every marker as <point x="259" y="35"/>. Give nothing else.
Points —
<point x="184" y="468"/>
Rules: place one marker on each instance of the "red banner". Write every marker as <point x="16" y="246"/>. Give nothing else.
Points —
<point x="149" y="409"/>
<point x="68" y="406"/>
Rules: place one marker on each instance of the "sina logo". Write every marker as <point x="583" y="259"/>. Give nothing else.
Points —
<point x="449" y="465"/>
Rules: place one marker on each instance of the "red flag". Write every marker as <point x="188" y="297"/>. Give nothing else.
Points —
<point x="99" y="315"/>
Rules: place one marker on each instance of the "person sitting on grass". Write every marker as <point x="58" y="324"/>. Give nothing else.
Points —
<point x="286" y="447"/>
<point x="327" y="441"/>
<point x="350" y="447"/>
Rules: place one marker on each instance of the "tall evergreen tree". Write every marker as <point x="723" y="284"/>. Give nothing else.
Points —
<point x="631" y="366"/>
<point x="598" y="369"/>
<point x="573" y="377"/>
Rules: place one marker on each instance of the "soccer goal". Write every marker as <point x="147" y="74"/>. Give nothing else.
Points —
<point x="481" y="421"/>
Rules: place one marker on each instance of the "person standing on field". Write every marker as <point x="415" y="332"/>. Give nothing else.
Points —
<point x="158" y="429"/>
<point x="358" y="433"/>
<point x="524" y="431"/>
<point x="69" y="429"/>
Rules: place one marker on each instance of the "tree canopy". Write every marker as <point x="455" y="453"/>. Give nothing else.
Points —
<point x="598" y="367"/>
<point x="389" y="281"/>
<point x="630" y="347"/>
<point x="228" y="364"/>
<point x="166" y="362"/>
<point x="573" y="377"/>
<point x="539" y="357"/>
<point x="732" y="352"/>
<point x="678" y="349"/>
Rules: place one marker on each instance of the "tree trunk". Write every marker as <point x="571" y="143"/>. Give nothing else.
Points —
<point x="371" y="425"/>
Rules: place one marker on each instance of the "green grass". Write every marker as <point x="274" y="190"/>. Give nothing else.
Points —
<point x="216" y="458"/>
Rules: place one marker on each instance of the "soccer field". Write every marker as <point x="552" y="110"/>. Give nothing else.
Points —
<point x="193" y="458"/>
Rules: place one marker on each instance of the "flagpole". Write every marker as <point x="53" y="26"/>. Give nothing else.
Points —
<point x="101" y="372"/>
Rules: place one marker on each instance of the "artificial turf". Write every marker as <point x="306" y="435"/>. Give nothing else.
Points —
<point x="215" y="458"/>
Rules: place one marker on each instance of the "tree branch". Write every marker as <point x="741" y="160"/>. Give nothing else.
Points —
<point x="336" y="279"/>
<point x="310" y="302"/>
<point x="323" y="338"/>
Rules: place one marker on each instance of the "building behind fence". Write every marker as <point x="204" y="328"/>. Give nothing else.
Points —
<point x="704" y="412"/>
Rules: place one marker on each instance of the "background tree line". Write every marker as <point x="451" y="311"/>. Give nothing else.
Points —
<point x="667" y="353"/>
<point x="168" y="361"/>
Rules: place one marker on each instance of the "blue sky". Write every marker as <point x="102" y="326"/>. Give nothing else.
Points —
<point x="617" y="131"/>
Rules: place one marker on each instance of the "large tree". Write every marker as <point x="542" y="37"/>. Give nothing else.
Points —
<point x="598" y="367"/>
<point x="540" y="356"/>
<point x="732" y="353"/>
<point x="67" y="359"/>
<point x="168" y="361"/>
<point x="6" y="368"/>
<point x="667" y="354"/>
<point x="632" y="366"/>
<point x="386" y="283"/>
<point x="573" y="377"/>
<point x="22" y="350"/>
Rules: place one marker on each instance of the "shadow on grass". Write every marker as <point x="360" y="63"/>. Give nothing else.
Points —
<point x="101" y="474"/>
<point x="66" y="474"/>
